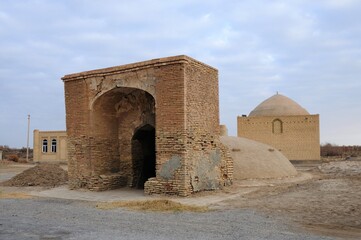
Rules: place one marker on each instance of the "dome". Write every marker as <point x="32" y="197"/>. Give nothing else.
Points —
<point x="253" y="160"/>
<point x="278" y="105"/>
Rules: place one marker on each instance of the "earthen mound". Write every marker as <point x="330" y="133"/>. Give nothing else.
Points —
<point x="257" y="160"/>
<point x="46" y="175"/>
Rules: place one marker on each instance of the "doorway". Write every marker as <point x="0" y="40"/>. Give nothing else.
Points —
<point x="143" y="155"/>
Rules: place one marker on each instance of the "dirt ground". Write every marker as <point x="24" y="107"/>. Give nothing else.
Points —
<point x="324" y="198"/>
<point x="329" y="202"/>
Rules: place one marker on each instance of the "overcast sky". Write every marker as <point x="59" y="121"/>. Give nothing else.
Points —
<point x="307" y="50"/>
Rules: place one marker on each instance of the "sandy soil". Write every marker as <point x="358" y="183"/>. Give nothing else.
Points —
<point x="46" y="175"/>
<point x="330" y="202"/>
<point x="323" y="198"/>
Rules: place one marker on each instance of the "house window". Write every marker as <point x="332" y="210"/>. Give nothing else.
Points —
<point x="53" y="145"/>
<point x="277" y="126"/>
<point x="45" y="145"/>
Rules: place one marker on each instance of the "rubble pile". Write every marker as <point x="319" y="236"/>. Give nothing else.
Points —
<point x="45" y="175"/>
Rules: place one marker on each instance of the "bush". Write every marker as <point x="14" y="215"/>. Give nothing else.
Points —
<point x="13" y="158"/>
<point x="330" y="150"/>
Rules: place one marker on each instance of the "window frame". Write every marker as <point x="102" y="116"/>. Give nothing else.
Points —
<point x="44" y="146"/>
<point x="54" y="144"/>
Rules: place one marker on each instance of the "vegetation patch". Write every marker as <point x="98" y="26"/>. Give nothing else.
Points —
<point x="14" y="195"/>
<point x="161" y="205"/>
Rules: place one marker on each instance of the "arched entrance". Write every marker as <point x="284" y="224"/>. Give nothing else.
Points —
<point x="105" y="109"/>
<point x="143" y="155"/>
<point x="123" y="121"/>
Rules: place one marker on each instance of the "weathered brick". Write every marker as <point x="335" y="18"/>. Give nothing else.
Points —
<point x="108" y="110"/>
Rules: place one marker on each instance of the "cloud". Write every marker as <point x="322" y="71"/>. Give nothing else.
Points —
<point x="341" y="4"/>
<point x="307" y="50"/>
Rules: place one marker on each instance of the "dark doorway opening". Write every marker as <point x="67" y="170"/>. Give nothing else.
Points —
<point x="143" y="155"/>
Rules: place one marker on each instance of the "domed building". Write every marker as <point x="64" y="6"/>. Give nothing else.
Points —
<point x="284" y="124"/>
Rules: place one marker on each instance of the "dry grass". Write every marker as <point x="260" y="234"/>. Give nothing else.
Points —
<point x="14" y="195"/>
<point x="161" y="205"/>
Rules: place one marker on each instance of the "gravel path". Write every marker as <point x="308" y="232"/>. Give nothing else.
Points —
<point x="45" y="218"/>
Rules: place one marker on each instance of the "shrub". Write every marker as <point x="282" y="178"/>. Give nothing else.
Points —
<point x="13" y="158"/>
<point x="330" y="150"/>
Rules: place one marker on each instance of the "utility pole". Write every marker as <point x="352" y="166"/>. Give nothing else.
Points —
<point x="27" y="140"/>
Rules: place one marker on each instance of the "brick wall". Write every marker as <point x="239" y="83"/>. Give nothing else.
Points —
<point x="77" y="122"/>
<point x="176" y="95"/>
<point x="299" y="138"/>
<point x="208" y="168"/>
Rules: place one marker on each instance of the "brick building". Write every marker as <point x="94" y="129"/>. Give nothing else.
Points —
<point x="152" y="124"/>
<point x="49" y="146"/>
<point x="284" y="124"/>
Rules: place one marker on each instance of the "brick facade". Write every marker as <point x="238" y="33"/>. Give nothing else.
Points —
<point x="153" y="124"/>
<point x="297" y="137"/>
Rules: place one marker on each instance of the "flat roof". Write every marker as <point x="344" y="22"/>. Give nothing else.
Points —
<point x="134" y="66"/>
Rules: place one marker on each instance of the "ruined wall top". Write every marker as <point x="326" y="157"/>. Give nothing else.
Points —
<point x="133" y="67"/>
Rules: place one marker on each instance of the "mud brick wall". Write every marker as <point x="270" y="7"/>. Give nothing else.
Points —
<point x="176" y="96"/>
<point x="170" y="132"/>
<point x="78" y="143"/>
<point x="106" y="182"/>
<point x="208" y="168"/>
<point x="298" y="140"/>
<point x="192" y="157"/>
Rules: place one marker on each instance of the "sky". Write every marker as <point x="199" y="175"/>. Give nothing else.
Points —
<point x="307" y="50"/>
